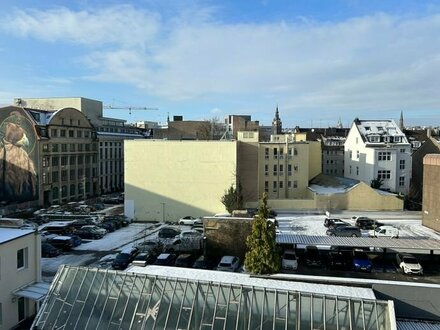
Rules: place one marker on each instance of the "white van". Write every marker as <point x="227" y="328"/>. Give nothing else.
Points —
<point x="386" y="231"/>
<point x="289" y="261"/>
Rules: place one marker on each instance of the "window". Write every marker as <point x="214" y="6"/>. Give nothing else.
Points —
<point x="44" y="178"/>
<point x="266" y="153"/>
<point x="45" y="147"/>
<point x="289" y="169"/>
<point x="54" y="147"/>
<point x="281" y="168"/>
<point x="357" y="154"/>
<point x="72" y="189"/>
<point x="72" y="160"/>
<point x="295" y="152"/>
<point x="402" y="164"/>
<point x="71" y="133"/>
<point x="384" y="155"/>
<point x="64" y="175"/>
<point x="78" y="133"/>
<point x="295" y="184"/>
<point x="357" y="170"/>
<point x="63" y="133"/>
<point x="45" y="161"/>
<point x="63" y="160"/>
<point x="289" y="184"/>
<point x="275" y="153"/>
<point x="274" y="186"/>
<point x="53" y="133"/>
<point x="289" y="153"/>
<point x="281" y="153"/>
<point x="21" y="309"/>
<point x="401" y="181"/>
<point x="64" y="147"/>
<point x="22" y="258"/>
<point x="266" y="169"/>
<point x="349" y="170"/>
<point x="403" y="150"/>
<point x="281" y="184"/>
<point x="72" y="175"/>
<point x="383" y="174"/>
<point x="266" y="186"/>
<point x="55" y="161"/>
<point x="64" y="191"/>
<point x="55" y="176"/>
<point x="275" y="170"/>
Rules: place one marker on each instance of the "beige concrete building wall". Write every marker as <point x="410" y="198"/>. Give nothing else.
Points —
<point x="165" y="180"/>
<point x="315" y="159"/>
<point x="12" y="279"/>
<point x="91" y="108"/>
<point x="361" y="197"/>
<point x="431" y="191"/>
<point x="247" y="164"/>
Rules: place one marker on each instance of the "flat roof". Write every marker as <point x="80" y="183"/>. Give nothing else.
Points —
<point x="419" y="243"/>
<point x="9" y="234"/>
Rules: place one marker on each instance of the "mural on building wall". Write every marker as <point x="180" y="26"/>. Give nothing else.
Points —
<point x="18" y="176"/>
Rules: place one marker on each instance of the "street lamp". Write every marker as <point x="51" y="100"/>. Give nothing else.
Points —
<point x="163" y="212"/>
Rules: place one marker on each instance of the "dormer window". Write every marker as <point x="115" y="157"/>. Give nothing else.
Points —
<point x="397" y="139"/>
<point x="374" y="138"/>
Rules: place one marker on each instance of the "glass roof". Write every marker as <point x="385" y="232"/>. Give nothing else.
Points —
<point x="90" y="298"/>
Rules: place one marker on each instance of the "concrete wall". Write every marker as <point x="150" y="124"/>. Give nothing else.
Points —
<point x="248" y="169"/>
<point x="315" y="159"/>
<point x="227" y="236"/>
<point x="170" y="179"/>
<point x="361" y="197"/>
<point x="12" y="279"/>
<point x="431" y="191"/>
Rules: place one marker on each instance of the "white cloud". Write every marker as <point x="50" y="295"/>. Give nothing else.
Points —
<point x="366" y="63"/>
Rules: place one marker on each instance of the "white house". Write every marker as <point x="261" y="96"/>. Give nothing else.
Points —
<point x="378" y="149"/>
<point x="21" y="289"/>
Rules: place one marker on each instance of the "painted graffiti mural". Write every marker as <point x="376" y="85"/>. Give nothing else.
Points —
<point x="18" y="175"/>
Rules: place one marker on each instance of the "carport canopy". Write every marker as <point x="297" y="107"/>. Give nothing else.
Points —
<point x="414" y="243"/>
<point x="35" y="291"/>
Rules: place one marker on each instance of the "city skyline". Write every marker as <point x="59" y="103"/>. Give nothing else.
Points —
<point x="318" y="61"/>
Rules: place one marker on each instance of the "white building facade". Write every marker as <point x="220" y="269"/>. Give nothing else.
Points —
<point x="378" y="149"/>
<point x="21" y="289"/>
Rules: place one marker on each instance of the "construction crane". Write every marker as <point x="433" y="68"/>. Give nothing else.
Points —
<point x="112" y="107"/>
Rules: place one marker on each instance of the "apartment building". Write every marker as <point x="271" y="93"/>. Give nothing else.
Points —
<point x="285" y="167"/>
<point x="378" y="150"/>
<point x="21" y="289"/>
<point x="110" y="134"/>
<point x="47" y="157"/>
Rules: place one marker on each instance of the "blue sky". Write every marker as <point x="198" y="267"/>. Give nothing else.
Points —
<point x="318" y="60"/>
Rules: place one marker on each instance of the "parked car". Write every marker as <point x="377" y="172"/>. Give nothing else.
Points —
<point x="361" y="261"/>
<point x="289" y="260"/>
<point x="124" y="258"/>
<point x="64" y="243"/>
<point x="76" y="240"/>
<point x="49" y="251"/>
<point x="332" y="222"/>
<point x="189" y="220"/>
<point x="189" y="234"/>
<point x="203" y="263"/>
<point x="45" y="235"/>
<point x="96" y="228"/>
<point x="165" y="259"/>
<point x="184" y="260"/>
<point x="108" y="226"/>
<point x="348" y="231"/>
<point x="150" y="246"/>
<point x="83" y="222"/>
<point x="229" y="264"/>
<point x="312" y="256"/>
<point x="168" y="232"/>
<point x="339" y="259"/>
<point x="366" y="223"/>
<point x="409" y="264"/>
<point x="386" y="231"/>
<point x="144" y="258"/>
<point x="87" y="232"/>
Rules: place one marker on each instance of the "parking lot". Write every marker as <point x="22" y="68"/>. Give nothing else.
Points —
<point x="101" y="253"/>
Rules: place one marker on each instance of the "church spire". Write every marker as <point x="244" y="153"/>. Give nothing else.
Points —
<point x="401" y="121"/>
<point x="276" y="123"/>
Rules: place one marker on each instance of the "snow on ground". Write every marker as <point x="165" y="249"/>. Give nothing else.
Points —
<point x="50" y="265"/>
<point x="120" y="238"/>
<point x="408" y="223"/>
